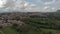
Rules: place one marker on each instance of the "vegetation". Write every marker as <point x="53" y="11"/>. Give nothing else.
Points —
<point x="46" y="23"/>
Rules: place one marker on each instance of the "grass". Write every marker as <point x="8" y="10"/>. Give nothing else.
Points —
<point x="1" y="33"/>
<point x="43" y="31"/>
<point x="51" y="30"/>
<point x="10" y="31"/>
<point x="31" y="32"/>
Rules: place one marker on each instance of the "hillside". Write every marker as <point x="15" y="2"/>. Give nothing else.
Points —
<point x="30" y="23"/>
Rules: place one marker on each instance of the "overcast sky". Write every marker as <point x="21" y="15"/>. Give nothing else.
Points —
<point x="30" y="5"/>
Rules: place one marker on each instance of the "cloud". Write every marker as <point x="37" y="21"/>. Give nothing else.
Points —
<point x="20" y="5"/>
<point x="23" y="5"/>
<point x="46" y="7"/>
<point x="31" y="7"/>
<point x="50" y="3"/>
<point x="2" y="2"/>
<point x="53" y="2"/>
<point x="9" y="4"/>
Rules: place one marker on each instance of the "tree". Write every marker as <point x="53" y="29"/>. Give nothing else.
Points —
<point x="1" y="27"/>
<point x="17" y="18"/>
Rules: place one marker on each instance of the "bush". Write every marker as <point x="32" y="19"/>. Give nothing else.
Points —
<point x="1" y="27"/>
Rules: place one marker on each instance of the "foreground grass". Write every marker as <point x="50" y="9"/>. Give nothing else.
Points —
<point x="50" y="31"/>
<point x="43" y="31"/>
<point x="1" y="33"/>
<point x="9" y="30"/>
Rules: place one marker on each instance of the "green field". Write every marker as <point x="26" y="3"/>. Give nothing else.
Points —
<point x="9" y="30"/>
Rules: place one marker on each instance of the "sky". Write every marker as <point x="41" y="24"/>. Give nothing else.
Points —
<point x="30" y="5"/>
